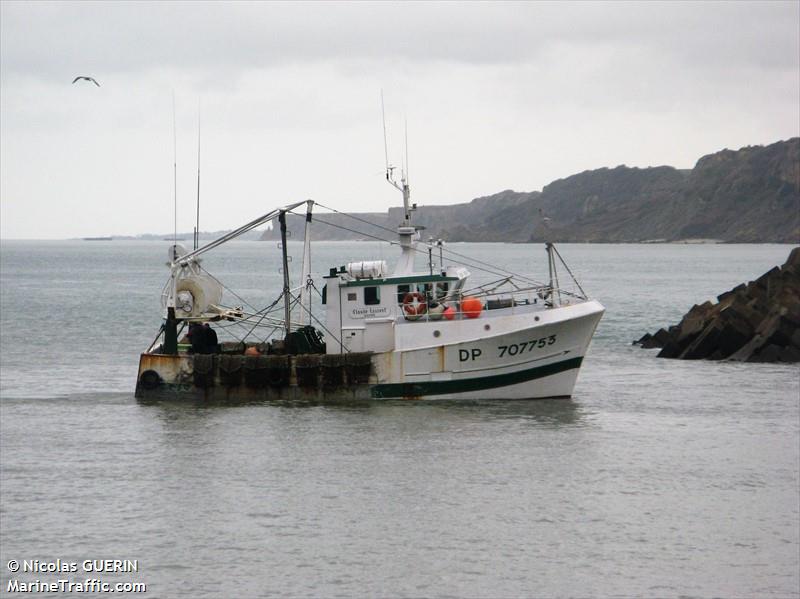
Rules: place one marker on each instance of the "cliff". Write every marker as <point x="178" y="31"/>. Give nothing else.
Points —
<point x="748" y="195"/>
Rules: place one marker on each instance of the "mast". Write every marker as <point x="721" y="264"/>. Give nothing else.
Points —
<point x="174" y="172"/>
<point x="406" y="232"/>
<point x="551" y="260"/>
<point x="197" y="222"/>
<point x="287" y="311"/>
<point x="305" y="277"/>
<point x="178" y="262"/>
<point x="555" y="290"/>
<point x="171" y="323"/>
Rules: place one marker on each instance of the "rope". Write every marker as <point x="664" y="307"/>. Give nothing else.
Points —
<point x="265" y="312"/>
<point x="466" y="260"/>
<point x="314" y="287"/>
<point x="226" y="288"/>
<point x="324" y="328"/>
<point x="502" y="270"/>
<point x="574" y="280"/>
<point x="377" y="226"/>
<point x="330" y="224"/>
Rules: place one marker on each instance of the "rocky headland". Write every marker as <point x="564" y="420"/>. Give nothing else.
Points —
<point x="754" y="322"/>
<point x="749" y="195"/>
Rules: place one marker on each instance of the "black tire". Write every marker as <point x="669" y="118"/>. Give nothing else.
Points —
<point x="150" y="380"/>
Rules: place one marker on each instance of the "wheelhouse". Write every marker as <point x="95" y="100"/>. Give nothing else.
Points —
<point x="363" y="306"/>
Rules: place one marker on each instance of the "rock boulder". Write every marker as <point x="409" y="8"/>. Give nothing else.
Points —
<point x="754" y="322"/>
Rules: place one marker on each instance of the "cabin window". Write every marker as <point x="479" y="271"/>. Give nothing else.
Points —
<point x="434" y="291"/>
<point x="372" y="296"/>
<point x="401" y="292"/>
<point x="325" y="294"/>
<point x="352" y="297"/>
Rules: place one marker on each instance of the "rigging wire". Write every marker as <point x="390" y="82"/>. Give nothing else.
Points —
<point x="476" y="264"/>
<point x="569" y="271"/>
<point x="325" y="222"/>
<point x="265" y="312"/>
<point x="324" y="328"/>
<point x="377" y="226"/>
<point x="228" y="289"/>
<point x="258" y="323"/>
<point x="465" y="261"/>
<point x="501" y="269"/>
<point x="473" y="262"/>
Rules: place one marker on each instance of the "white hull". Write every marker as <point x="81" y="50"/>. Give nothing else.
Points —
<point x="531" y="355"/>
<point x="504" y="356"/>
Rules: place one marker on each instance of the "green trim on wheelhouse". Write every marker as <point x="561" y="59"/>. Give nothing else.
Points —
<point x="399" y="280"/>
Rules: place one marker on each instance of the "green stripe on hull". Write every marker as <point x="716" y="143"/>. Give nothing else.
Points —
<point x="476" y="384"/>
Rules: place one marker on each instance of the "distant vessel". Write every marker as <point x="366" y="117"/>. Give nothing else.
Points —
<point x="97" y="238"/>
<point x="404" y="334"/>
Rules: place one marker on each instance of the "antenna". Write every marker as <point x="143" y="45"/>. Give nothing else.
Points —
<point x="408" y="179"/>
<point x="406" y="231"/>
<point x="403" y="186"/>
<point x="174" y="171"/>
<point x="197" y="225"/>
<point x="385" y="144"/>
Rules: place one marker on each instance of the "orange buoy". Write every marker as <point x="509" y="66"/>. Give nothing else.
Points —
<point x="471" y="307"/>
<point x="449" y="313"/>
<point x="252" y="351"/>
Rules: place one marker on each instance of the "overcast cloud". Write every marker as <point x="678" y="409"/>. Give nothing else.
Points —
<point x="496" y="95"/>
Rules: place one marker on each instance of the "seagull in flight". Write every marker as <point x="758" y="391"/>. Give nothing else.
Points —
<point x="79" y="77"/>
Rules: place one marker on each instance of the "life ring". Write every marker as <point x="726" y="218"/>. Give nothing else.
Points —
<point x="414" y="305"/>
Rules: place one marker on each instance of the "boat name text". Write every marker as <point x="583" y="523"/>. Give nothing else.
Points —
<point x="514" y="349"/>
<point x="364" y="312"/>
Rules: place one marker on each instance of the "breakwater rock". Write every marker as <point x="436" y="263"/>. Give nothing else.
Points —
<point x="754" y="322"/>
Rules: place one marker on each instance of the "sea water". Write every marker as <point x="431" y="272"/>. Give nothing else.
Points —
<point x="658" y="478"/>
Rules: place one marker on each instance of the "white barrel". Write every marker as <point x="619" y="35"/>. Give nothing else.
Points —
<point x="195" y="294"/>
<point x="368" y="269"/>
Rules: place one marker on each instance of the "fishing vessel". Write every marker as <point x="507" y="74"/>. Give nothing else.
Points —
<point x="383" y="334"/>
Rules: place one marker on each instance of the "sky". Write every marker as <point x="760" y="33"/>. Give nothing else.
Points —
<point x="287" y="97"/>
